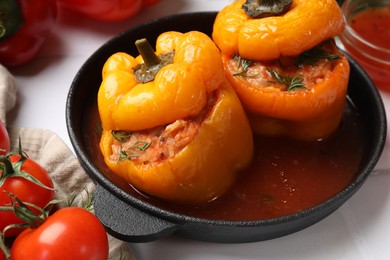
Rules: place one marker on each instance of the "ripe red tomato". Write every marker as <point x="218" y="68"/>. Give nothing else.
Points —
<point x="70" y="233"/>
<point x="26" y="191"/>
<point x="4" y="140"/>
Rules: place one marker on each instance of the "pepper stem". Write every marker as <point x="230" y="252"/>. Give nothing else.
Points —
<point x="266" y="8"/>
<point x="148" y="55"/>
<point x="11" y="18"/>
<point x="2" y="29"/>
<point x="3" y="25"/>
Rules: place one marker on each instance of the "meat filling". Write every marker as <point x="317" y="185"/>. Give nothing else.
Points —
<point x="159" y="143"/>
<point x="305" y="71"/>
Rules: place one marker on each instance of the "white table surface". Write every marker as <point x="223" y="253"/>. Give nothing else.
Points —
<point x="358" y="230"/>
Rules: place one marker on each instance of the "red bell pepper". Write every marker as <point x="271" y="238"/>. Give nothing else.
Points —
<point x="24" y="26"/>
<point x="113" y="10"/>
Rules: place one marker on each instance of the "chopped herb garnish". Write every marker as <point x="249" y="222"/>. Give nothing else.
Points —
<point x="133" y="151"/>
<point x="98" y="129"/>
<point x="243" y="66"/>
<point x="291" y="83"/>
<point x="121" y="135"/>
<point x="312" y="56"/>
<point x="267" y="197"/>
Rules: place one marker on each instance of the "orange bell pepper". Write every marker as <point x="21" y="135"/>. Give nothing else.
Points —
<point x="305" y="25"/>
<point x="183" y="135"/>
<point x="266" y="61"/>
<point x="177" y="85"/>
<point x="311" y="112"/>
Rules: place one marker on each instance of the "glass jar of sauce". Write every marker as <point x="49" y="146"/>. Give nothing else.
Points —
<point x="367" y="37"/>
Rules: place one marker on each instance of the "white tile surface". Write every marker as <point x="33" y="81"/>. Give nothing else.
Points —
<point x="358" y="230"/>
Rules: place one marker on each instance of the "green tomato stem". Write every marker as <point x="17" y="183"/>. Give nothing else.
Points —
<point x="3" y="247"/>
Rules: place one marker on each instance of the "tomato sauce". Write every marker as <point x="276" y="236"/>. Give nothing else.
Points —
<point x="286" y="175"/>
<point x="373" y="25"/>
<point x="372" y="51"/>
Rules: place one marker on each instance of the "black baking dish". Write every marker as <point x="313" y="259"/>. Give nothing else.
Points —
<point x="131" y="219"/>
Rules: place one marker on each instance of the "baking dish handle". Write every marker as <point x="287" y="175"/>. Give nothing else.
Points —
<point x="127" y="223"/>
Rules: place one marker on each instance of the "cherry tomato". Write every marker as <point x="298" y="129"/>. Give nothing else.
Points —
<point x="4" y="140"/>
<point x="26" y="191"/>
<point x="114" y="10"/>
<point x="70" y="233"/>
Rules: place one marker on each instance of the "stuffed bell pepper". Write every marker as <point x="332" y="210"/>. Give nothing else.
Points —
<point x="282" y="61"/>
<point x="173" y="127"/>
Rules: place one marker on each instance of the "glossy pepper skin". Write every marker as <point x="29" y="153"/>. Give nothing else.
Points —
<point x="306" y="24"/>
<point x="223" y="143"/>
<point x="307" y="114"/>
<point x="110" y="11"/>
<point x="183" y="85"/>
<point x="25" y="24"/>
<point x="311" y="113"/>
